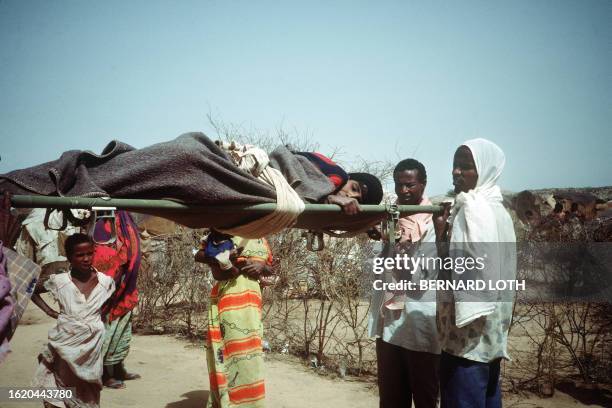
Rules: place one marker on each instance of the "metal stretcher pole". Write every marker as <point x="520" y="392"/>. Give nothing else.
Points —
<point x="324" y="217"/>
<point x="128" y="204"/>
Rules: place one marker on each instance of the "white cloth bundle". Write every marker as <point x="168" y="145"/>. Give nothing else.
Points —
<point x="289" y="205"/>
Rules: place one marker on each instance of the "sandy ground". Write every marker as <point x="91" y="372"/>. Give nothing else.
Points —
<point x="174" y="376"/>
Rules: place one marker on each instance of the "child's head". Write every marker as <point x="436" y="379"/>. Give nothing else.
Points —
<point x="79" y="251"/>
<point x="218" y="249"/>
<point x="364" y="187"/>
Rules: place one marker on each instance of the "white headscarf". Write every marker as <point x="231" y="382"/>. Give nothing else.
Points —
<point x="478" y="216"/>
<point x="473" y="218"/>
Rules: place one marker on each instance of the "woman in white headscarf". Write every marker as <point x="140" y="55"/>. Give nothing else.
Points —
<point x="473" y="326"/>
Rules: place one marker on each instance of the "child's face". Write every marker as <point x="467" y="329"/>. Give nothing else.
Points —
<point x="352" y="189"/>
<point x="82" y="257"/>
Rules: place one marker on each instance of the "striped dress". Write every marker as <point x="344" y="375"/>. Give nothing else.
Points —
<point x="234" y="343"/>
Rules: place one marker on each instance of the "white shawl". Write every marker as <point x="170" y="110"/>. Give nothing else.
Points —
<point x="478" y="216"/>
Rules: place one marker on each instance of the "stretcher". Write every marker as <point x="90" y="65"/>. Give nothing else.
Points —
<point x="316" y="218"/>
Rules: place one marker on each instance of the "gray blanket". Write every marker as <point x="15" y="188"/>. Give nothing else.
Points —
<point x="190" y="168"/>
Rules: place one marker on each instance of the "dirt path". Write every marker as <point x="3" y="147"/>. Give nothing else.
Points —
<point x="174" y="376"/>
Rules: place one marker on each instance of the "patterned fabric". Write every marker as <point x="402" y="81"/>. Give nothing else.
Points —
<point x="484" y="340"/>
<point x="334" y="173"/>
<point x="254" y="249"/>
<point x="7" y="305"/>
<point x="117" y="339"/>
<point x="23" y="275"/>
<point x="120" y="261"/>
<point x="234" y="342"/>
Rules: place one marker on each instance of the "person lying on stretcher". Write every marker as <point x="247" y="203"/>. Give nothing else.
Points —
<point x="191" y="169"/>
<point x="352" y="189"/>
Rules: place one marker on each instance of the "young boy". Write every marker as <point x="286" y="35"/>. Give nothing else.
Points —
<point x="73" y="356"/>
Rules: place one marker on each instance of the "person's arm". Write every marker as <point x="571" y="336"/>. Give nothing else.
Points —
<point x="255" y="269"/>
<point x="38" y="301"/>
<point x="200" y="257"/>
<point x="223" y="274"/>
<point x="441" y="229"/>
<point x="217" y="273"/>
<point x="350" y="206"/>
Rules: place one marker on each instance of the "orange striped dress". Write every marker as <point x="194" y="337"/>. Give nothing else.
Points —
<point x="234" y="343"/>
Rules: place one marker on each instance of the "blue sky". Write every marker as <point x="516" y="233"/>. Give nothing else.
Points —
<point x="380" y="80"/>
